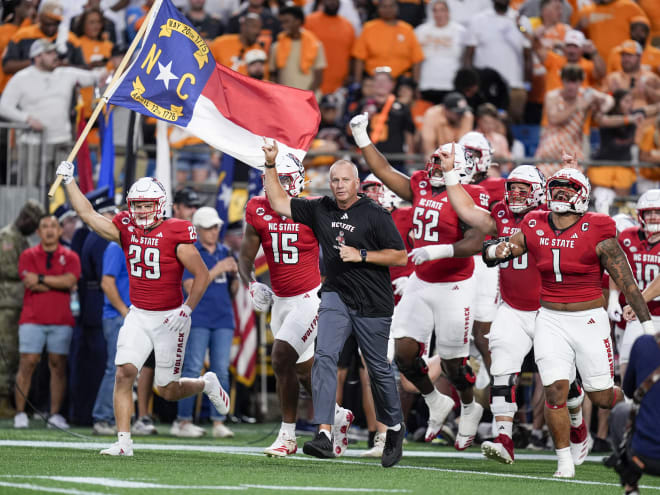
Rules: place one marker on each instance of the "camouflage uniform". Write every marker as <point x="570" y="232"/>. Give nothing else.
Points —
<point x="12" y="244"/>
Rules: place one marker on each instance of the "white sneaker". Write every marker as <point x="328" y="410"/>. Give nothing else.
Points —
<point x="104" y="428"/>
<point x="58" y="421"/>
<point x="437" y="416"/>
<point x="216" y="393"/>
<point x="343" y="420"/>
<point x="377" y="449"/>
<point x="221" y="431"/>
<point x="186" y="430"/>
<point x="21" y="420"/>
<point x="467" y="427"/>
<point x="117" y="448"/>
<point x="144" y="426"/>
<point x="283" y="446"/>
<point x="565" y="470"/>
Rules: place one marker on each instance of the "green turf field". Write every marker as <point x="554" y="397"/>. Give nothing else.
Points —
<point x="46" y="461"/>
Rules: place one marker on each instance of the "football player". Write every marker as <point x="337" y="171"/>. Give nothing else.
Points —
<point x="571" y="248"/>
<point x="438" y="296"/>
<point x="642" y="247"/>
<point x="292" y="253"/>
<point x="157" y="250"/>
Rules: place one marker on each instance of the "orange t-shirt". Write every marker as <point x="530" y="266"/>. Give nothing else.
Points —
<point x="650" y="141"/>
<point x="652" y="10"/>
<point x="337" y="36"/>
<point x="621" y="80"/>
<point x="229" y="51"/>
<point x="382" y="44"/>
<point x="650" y="59"/>
<point x="609" y="25"/>
<point x="6" y="33"/>
<point x="554" y="63"/>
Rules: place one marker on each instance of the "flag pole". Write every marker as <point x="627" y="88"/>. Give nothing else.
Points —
<point x="106" y="95"/>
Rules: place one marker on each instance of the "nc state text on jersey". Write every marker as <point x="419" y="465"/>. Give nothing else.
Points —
<point x="284" y="227"/>
<point x="647" y="258"/>
<point x="145" y="241"/>
<point x="560" y="243"/>
<point x="344" y="226"/>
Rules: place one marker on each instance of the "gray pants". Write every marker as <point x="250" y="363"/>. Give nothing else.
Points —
<point x="336" y="323"/>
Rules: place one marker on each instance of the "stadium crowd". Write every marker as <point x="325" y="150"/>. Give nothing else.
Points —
<point x="564" y="81"/>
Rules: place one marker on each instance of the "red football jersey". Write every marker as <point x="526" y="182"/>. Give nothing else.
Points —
<point x="644" y="259"/>
<point x="520" y="280"/>
<point x="570" y="268"/>
<point x="495" y="188"/>
<point x="403" y="220"/>
<point x="154" y="272"/>
<point x="291" y="249"/>
<point x="436" y="222"/>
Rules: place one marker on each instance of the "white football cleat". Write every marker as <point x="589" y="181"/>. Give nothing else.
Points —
<point x="120" y="449"/>
<point x="581" y="443"/>
<point x="283" y="446"/>
<point x="565" y="470"/>
<point x="216" y="393"/>
<point x="21" y="420"/>
<point x="500" y="449"/>
<point x="377" y="449"/>
<point x="467" y="427"/>
<point x="343" y="420"/>
<point x="437" y="416"/>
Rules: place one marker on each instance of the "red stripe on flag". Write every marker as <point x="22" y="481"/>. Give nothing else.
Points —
<point x="244" y="362"/>
<point x="289" y="115"/>
<point x="85" y="180"/>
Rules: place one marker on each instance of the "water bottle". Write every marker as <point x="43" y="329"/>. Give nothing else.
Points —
<point x="75" y="304"/>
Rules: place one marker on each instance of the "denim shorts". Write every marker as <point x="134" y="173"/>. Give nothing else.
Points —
<point x="33" y="337"/>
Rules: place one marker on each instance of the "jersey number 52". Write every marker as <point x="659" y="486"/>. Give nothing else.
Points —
<point x="149" y="257"/>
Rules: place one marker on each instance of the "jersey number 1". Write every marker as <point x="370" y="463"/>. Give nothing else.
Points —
<point x="151" y="261"/>
<point x="555" y="265"/>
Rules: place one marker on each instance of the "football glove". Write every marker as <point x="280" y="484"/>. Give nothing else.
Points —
<point x="262" y="296"/>
<point x="399" y="285"/>
<point x="359" y="125"/>
<point x="614" y="310"/>
<point x="428" y="253"/>
<point x="179" y="319"/>
<point x="66" y="169"/>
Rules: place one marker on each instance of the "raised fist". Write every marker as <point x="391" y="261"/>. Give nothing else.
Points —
<point x="359" y="125"/>
<point x="66" y="169"/>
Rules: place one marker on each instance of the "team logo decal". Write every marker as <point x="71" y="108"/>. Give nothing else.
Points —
<point x="500" y="213"/>
<point x="627" y="242"/>
<point x="283" y="218"/>
<point x="585" y="226"/>
<point x="532" y="223"/>
<point x="340" y="238"/>
<point x="131" y="228"/>
<point x="422" y="192"/>
<point x="260" y="211"/>
<point x="423" y="184"/>
<point x="505" y="221"/>
<point x="267" y="217"/>
<point x="539" y="232"/>
<point x="633" y="249"/>
<point x="125" y="220"/>
<point x="62" y="260"/>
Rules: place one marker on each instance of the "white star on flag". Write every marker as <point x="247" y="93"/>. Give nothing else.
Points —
<point x="165" y="74"/>
<point x="225" y="195"/>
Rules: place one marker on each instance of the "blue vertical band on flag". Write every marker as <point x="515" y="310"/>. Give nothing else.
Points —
<point x="225" y="189"/>
<point x="107" y="170"/>
<point x="255" y="183"/>
<point x="169" y="72"/>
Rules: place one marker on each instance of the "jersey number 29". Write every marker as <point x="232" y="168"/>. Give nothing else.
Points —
<point x="151" y="261"/>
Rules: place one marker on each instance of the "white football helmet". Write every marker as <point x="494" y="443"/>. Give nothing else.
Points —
<point x="146" y="189"/>
<point x="650" y="200"/>
<point x="390" y="200"/>
<point x="291" y="173"/>
<point x="525" y="174"/>
<point x="373" y="187"/>
<point x="624" y="221"/>
<point x="463" y="164"/>
<point x="482" y="151"/>
<point x="574" y="180"/>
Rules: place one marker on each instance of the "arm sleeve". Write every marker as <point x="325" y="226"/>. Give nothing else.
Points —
<point x="304" y="210"/>
<point x="387" y="235"/>
<point x="113" y="260"/>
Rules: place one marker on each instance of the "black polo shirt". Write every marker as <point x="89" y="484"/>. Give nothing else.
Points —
<point x="365" y="287"/>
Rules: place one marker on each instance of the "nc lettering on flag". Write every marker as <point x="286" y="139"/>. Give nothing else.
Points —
<point x="175" y="78"/>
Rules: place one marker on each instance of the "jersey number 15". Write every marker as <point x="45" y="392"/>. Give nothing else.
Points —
<point x="284" y="250"/>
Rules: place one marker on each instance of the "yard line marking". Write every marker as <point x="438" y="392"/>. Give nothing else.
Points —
<point x="257" y="452"/>
<point x="39" y="488"/>
<point x="117" y="483"/>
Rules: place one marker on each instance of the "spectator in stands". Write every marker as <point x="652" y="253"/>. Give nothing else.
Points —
<point x="337" y="36"/>
<point x="606" y="22"/>
<point x="446" y="123"/>
<point x="462" y="11"/>
<point x="617" y="136"/>
<point x="17" y="56"/>
<point x="387" y="42"/>
<point x="212" y="322"/>
<point x="49" y="271"/>
<point x="109" y="29"/>
<point x="186" y="202"/>
<point x="270" y="24"/>
<point x="24" y="11"/>
<point x="643" y="84"/>
<point x="495" y="40"/>
<point x="467" y="82"/>
<point x="406" y="94"/>
<point x="297" y="59"/>
<point x="567" y="110"/>
<point x="652" y="9"/>
<point x="649" y="151"/>
<point x="331" y="137"/>
<point x="14" y="240"/>
<point x="223" y="9"/>
<point x="563" y="11"/>
<point x="207" y="25"/>
<point x="193" y="156"/>
<point x="443" y="43"/>
<point x="256" y="63"/>
<point x="391" y="127"/>
<point x="69" y="222"/>
<point x="230" y="49"/>
<point x="488" y="123"/>
<point x="639" y="32"/>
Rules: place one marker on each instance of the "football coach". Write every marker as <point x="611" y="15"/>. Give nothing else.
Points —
<point x="359" y="242"/>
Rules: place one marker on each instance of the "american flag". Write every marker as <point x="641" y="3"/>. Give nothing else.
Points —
<point x="244" y="347"/>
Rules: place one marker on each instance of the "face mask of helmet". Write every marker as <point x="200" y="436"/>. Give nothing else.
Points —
<point x="517" y="199"/>
<point x="146" y="202"/>
<point x="647" y="203"/>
